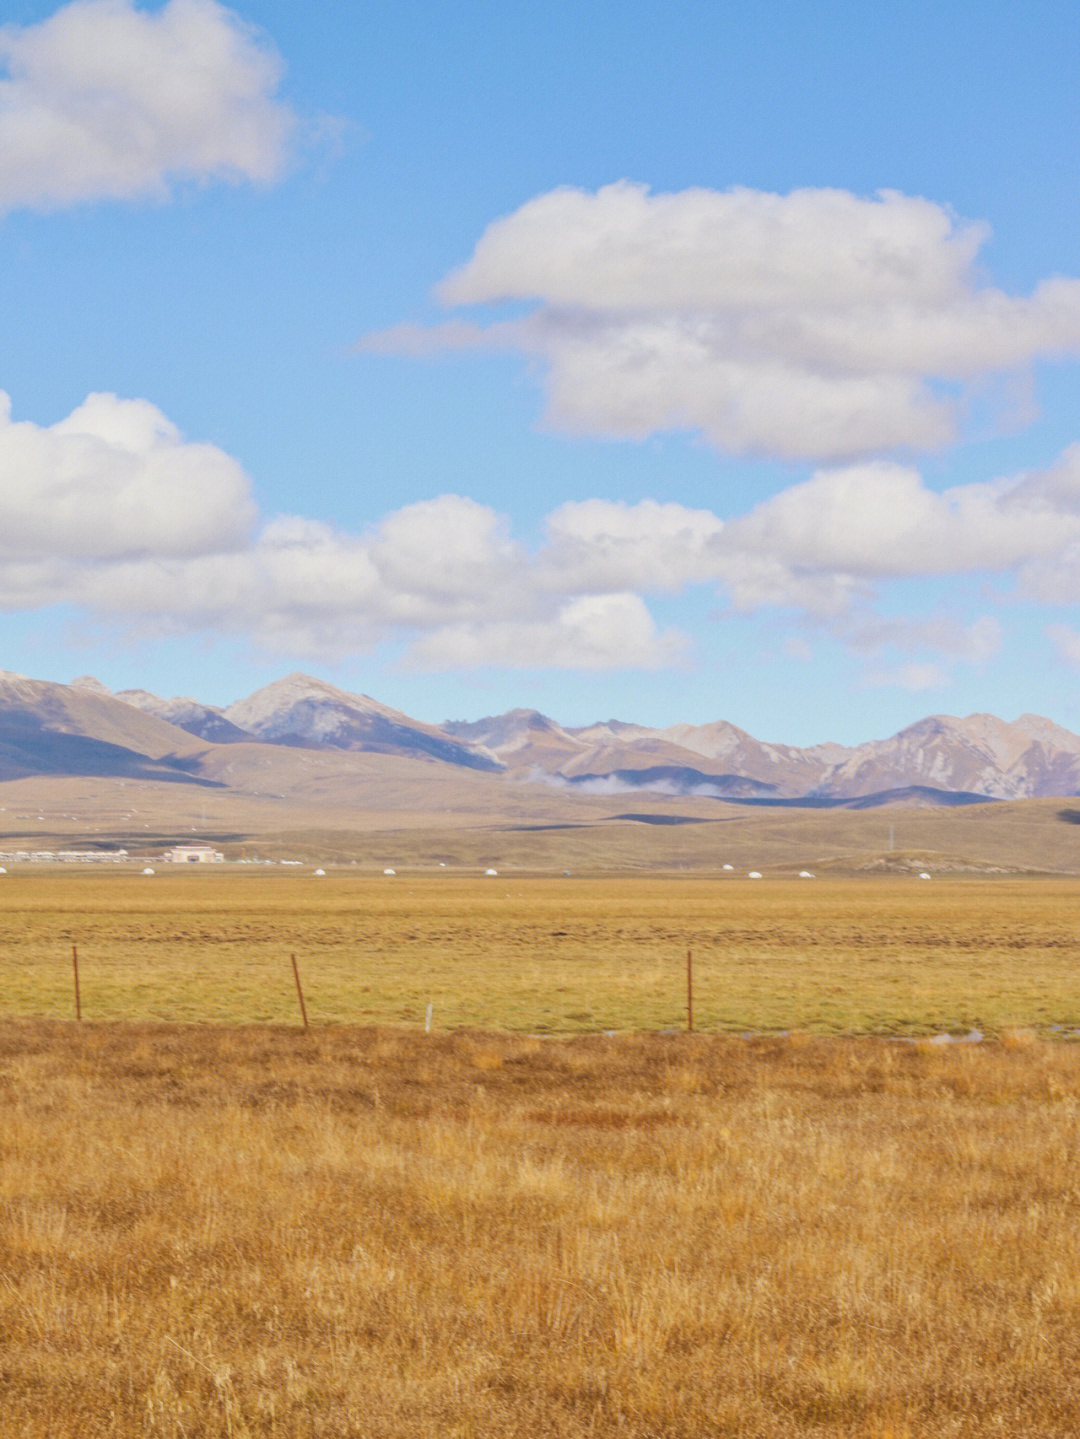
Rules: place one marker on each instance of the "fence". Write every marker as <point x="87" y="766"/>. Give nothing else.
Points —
<point x="544" y="955"/>
<point x="734" y="987"/>
<point x="185" y="986"/>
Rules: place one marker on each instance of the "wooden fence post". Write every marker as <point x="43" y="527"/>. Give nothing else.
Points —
<point x="689" y="992"/>
<point x="75" y="967"/>
<point x="300" y="992"/>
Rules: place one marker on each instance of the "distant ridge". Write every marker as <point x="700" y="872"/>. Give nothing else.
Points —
<point x="942" y="760"/>
<point x="204" y="721"/>
<point x="300" y="710"/>
<point x="980" y="756"/>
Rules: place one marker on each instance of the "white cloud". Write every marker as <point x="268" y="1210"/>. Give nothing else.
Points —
<point x="1066" y="642"/>
<point x="624" y="249"/>
<point x="814" y="325"/>
<point x="304" y="587"/>
<point x="106" y="101"/>
<point x="444" y="549"/>
<point x="630" y="378"/>
<point x="304" y="590"/>
<point x="814" y="544"/>
<point x="112" y="509"/>
<point x="606" y="545"/>
<point x="760" y="579"/>
<point x="974" y="643"/>
<point x="1054" y="580"/>
<point x="115" y="480"/>
<point x="913" y="677"/>
<point x="593" y="632"/>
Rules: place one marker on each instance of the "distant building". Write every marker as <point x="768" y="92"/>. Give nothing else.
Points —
<point x="194" y="854"/>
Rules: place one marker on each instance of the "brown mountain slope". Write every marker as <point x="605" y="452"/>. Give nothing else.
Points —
<point x="306" y="712"/>
<point x="82" y="729"/>
<point x="62" y="729"/>
<point x="979" y="755"/>
<point x="203" y="721"/>
<point x="608" y="758"/>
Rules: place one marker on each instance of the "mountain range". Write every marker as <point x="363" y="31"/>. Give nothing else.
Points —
<point x="84" y="729"/>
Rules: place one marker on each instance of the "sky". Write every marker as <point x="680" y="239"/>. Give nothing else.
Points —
<point x="670" y="362"/>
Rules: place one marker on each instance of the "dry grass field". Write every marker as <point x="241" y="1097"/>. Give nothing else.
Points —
<point x="378" y="1233"/>
<point x="545" y="954"/>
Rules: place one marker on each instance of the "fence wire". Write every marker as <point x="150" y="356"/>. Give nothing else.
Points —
<point x="546" y="955"/>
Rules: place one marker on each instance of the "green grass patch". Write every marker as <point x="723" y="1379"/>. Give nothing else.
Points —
<point x="545" y="955"/>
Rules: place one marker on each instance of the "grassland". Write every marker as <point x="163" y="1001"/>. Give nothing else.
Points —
<point x="543" y="954"/>
<point x="278" y="802"/>
<point x="369" y="1234"/>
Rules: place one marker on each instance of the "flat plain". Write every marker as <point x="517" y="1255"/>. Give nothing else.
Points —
<point x="544" y="954"/>
<point x="510" y="1226"/>
<point x="373" y="1233"/>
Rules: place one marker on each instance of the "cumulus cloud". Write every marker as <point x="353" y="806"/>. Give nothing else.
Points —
<point x="106" y="101"/>
<point x="593" y="632"/>
<point x="626" y="249"/>
<point x="444" y="549"/>
<point x="814" y="544"/>
<point x="307" y="588"/>
<point x="817" y="325"/>
<point x="113" y="509"/>
<point x="603" y="544"/>
<point x="116" y="480"/>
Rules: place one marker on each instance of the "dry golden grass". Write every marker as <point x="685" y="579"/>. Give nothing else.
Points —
<point x="546" y="955"/>
<point x="373" y="1232"/>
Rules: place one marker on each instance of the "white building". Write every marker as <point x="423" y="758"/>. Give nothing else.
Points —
<point x="194" y="854"/>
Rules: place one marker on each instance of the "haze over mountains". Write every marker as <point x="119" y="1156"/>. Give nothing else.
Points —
<point x="83" y="729"/>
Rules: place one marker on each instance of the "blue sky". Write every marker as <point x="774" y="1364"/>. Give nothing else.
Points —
<point x="670" y="363"/>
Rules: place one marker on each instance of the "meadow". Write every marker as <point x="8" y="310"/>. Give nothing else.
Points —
<point x="545" y="954"/>
<point x="369" y="1233"/>
<point x="510" y="1225"/>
